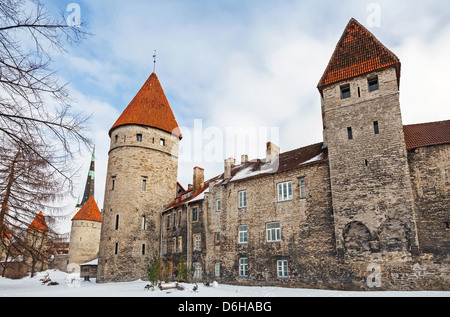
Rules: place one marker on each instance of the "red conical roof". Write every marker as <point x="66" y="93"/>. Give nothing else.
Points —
<point x="89" y="211"/>
<point x="150" y="108"/>
<point x="358" y="52"/>
<point x="38" y="223"/>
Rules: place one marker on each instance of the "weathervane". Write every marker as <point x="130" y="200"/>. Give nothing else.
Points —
<point x="154" y="61"/>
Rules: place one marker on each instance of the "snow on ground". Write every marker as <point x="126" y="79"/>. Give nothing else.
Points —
<point x="70" y="285"/>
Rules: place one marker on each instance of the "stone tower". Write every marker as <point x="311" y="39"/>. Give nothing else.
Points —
<point x="141" y="182"/>
<point x="84" y="235"/>
<point x="36" y="250"/>
<point x="363" y="130"/>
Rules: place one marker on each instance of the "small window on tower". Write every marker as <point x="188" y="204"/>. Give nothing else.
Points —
<point x="139" y="137"/>
<point x="373" y="84"/>
<point x="345" y="91"/>
<point x="162" y="142"/>
<point x="376" y="128"/>
<point x="350" y="133"/>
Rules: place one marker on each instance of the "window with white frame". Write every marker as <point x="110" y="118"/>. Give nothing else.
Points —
<point x="180" y="243"/>
<point x="197" y="242"/>
<point x="195" y="214"/>
<point x="243" y="267"/>
<point x="242" y="234"/>
<point x="217" y="269"/>
<point x="197" y="271"/>
<point x="302" y="187"/>
<point x="218" y="205"/>
<point x="282" y="268"/>
<point x="285" y="191"/>
<point x="243" y="199"/>
<point x="273" y="232"/>
<point x="216" y="238"/>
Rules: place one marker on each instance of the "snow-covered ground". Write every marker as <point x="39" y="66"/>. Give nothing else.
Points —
<point x="70" y="285"/>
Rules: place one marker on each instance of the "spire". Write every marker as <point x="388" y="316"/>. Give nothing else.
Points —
<point x="90" y="184"/>
<point x="150" y="108"/>
<point x="358" y="52"/>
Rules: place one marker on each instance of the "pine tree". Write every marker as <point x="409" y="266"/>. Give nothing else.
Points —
<point x="154" y="270"/>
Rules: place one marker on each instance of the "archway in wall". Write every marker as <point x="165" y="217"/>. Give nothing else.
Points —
<point x="357" y="238"/>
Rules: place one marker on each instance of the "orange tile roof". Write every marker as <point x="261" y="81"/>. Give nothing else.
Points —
<point x="427" y="134"/>
<point x="358" y="52"/>
<point x="150" y="108"/>
<point x="89" y="211"/>
<point x="39" y="223"/>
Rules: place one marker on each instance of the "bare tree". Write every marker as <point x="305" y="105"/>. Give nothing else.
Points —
<point x="39" y="134"/>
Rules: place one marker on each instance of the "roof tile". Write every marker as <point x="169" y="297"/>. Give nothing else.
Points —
<point x="150" y="108"/>
<point x="358" y="52"/>
<point x="89" y="211"/>
<point x="427" y="134"/>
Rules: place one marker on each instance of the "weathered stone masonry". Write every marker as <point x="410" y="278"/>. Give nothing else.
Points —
<point x="367" y="209"/>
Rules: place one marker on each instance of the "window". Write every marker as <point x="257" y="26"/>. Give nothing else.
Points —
<point x="243" y="234"/>
<point x="217" y="269"/>
<point x="113" y="182"/>
<point x="175" y="219"/>
<point x="243" y="267"/>
<point x="285" y="191"/>
<point x="143" y="249"/>
<point x="143" y="223"/>
<point x="217" y="238"/>
<point x="197" y="271"/>
<point x="116" y="138"/>
<point x="117" y="222"/>
<point x="139" y="137"/>
<point x="373" y="84"/>
<point x="282" y="268"/>
<point x="116" y="248"/>
<point x="162" y="142"/>
<point x="197" y="242"/>
<point x="219" y="205"/>
<point x="345" y="92"/>
<point x="242" y="199"/>
<point x="168" y="221"/>
<point x="350" y="133"/>
<point x="195" y="214"/>
<point x="174" y="245"/>
<point x="273" y="232"/>
<point x="302" y="188"/>
<point x="144" y="184"/>
<point x="179" y="219"/>
<point x="180" y="243"/>
<point x="376" y="128"/>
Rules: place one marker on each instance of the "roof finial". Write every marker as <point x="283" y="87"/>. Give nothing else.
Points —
<point x="154" y="61"/>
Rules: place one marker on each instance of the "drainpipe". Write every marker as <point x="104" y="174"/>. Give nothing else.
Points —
<point x="188" y="240"/>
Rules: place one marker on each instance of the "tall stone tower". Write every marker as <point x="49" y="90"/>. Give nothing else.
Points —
<point x="141" y="182"/>
<point x="84" y="235"/>
<point x="363" y="130"/>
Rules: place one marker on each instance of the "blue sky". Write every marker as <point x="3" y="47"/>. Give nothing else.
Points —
<point x="247" y="63"/>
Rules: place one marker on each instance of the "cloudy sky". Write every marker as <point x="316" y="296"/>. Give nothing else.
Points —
<point x="249" y="65"/>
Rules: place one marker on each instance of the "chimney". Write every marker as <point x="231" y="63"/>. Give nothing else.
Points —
<point x="199" y="179"/>
<point x="229" y="163"/>
<point x="272" y="151"/>
<point x="244" y="158"/>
